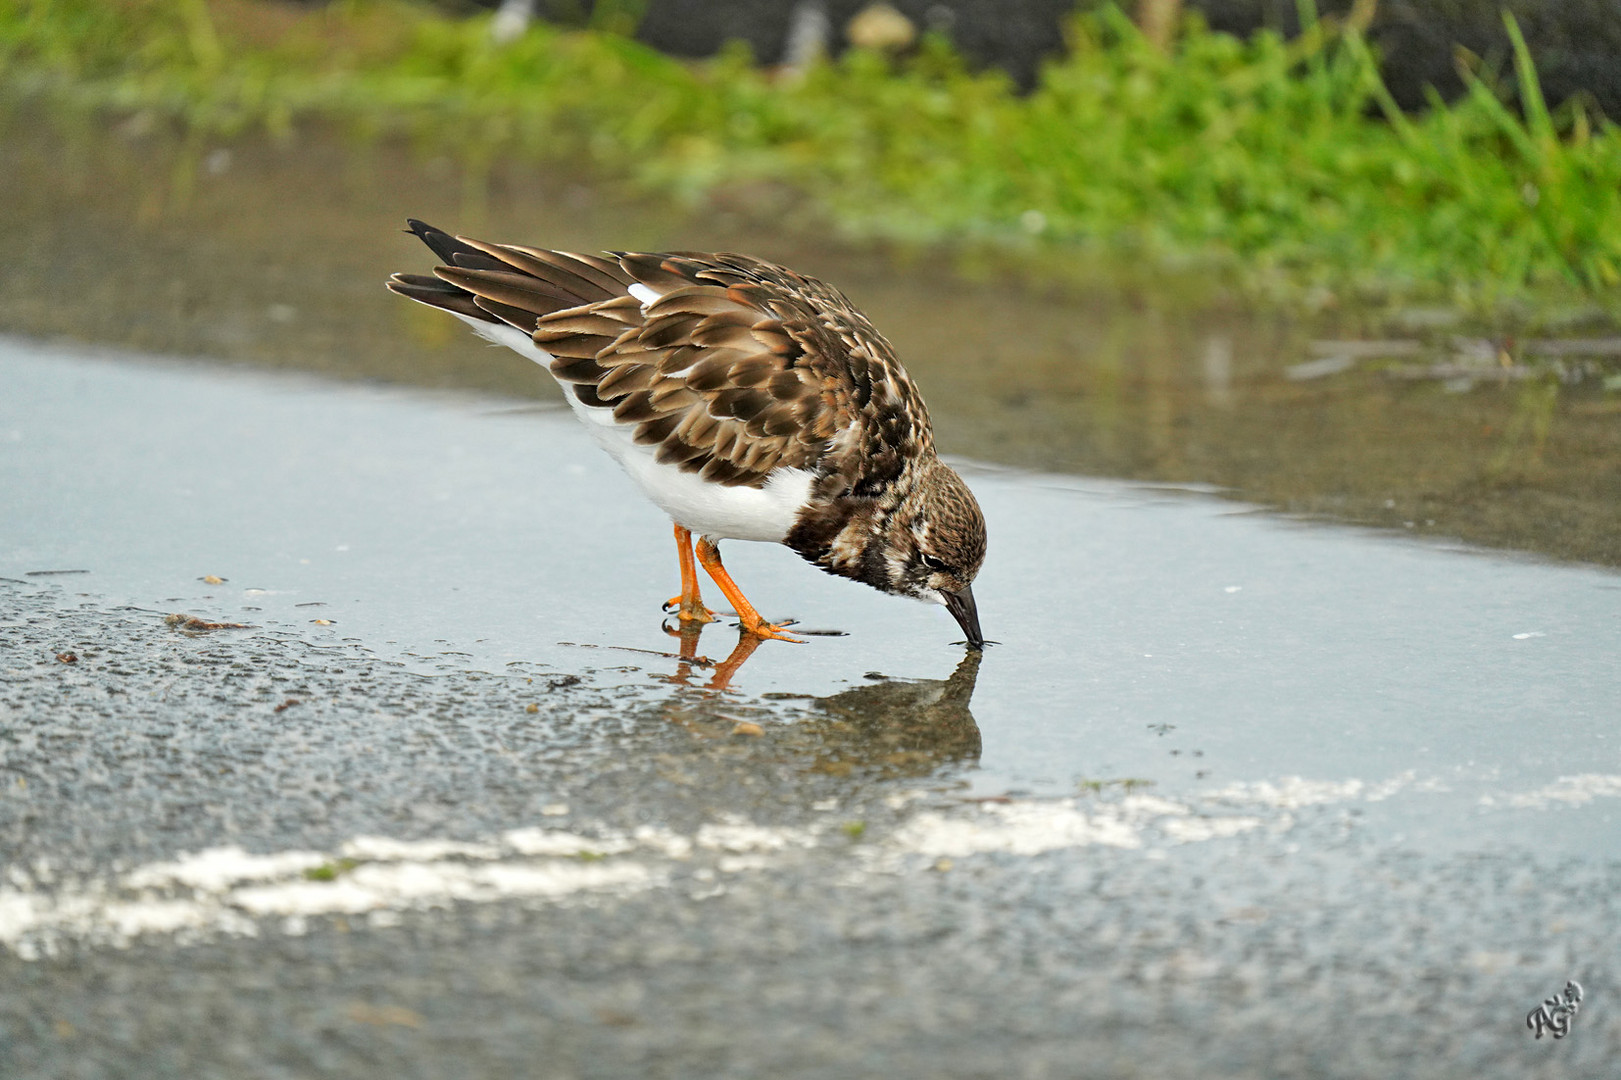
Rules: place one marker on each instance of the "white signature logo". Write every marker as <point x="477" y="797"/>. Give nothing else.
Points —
<point x="1554" y="1015"/>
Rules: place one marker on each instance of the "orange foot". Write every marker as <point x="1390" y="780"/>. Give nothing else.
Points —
<point x="762" y="629"/>
<point x="709" y="557"/>
<point x="696" y="612"/>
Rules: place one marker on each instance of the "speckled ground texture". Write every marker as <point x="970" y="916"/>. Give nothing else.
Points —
<point x="352" y="848"/>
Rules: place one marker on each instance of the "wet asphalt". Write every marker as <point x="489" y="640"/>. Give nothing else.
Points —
<point x="1305" y="952"/>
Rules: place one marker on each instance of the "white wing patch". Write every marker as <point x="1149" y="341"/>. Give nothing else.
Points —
<point x="510" y="336"/>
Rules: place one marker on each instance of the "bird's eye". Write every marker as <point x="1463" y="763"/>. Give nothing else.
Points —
<point x="936" y="565"/>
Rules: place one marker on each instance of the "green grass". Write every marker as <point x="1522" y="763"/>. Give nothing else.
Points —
<point x="1280" y="168"/>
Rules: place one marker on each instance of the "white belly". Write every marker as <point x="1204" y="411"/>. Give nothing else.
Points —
<point x="739" y="513"/>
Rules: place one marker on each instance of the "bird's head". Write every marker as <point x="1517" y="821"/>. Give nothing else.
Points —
<point x="936" y="544"/>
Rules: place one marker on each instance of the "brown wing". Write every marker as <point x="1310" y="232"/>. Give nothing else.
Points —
<point x="738" y="369"/>
<point x="862" y="418"/>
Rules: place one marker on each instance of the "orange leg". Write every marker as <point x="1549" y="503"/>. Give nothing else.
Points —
<point x="709" y="556"/>
<point x="689" y="604"/>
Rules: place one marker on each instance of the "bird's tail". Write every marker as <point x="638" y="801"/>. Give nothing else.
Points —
<point x="501" y="283"/>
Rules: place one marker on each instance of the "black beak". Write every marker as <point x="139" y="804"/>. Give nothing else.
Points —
<point x="962" y="608"/>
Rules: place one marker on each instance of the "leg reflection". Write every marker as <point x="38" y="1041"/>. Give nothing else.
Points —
<point x="688" y="657"/>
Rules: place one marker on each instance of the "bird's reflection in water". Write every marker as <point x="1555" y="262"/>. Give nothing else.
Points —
<point x="889" y="727"/>
<point x="899" y="727"/>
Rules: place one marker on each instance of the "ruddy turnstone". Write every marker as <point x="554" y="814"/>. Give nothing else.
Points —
<point x="749" y="402"/>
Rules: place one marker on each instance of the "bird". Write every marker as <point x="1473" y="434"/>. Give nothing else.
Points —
<point x="747" y="401"/>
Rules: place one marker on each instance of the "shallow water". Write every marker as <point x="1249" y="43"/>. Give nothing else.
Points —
<point x="1150" y="639"/>
<point x="274" y="255"/>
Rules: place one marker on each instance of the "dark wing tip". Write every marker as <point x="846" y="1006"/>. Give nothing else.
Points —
<point x="444" y="245"/>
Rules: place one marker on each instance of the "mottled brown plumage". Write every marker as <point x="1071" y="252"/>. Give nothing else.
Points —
<point x="740" y="372"/>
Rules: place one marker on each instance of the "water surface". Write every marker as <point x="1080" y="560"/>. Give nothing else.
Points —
<point x="1150" y="639"/>
<point x="126" y="235"/>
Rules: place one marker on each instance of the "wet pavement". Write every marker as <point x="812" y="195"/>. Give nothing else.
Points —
<point x="1236" y="795"/>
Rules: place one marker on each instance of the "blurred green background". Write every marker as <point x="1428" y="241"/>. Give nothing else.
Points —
<point x="1283" y="167"/>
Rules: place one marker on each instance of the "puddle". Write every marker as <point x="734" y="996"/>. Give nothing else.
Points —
<point x="127" y="237"/>
<point x="1155" y="643"/>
